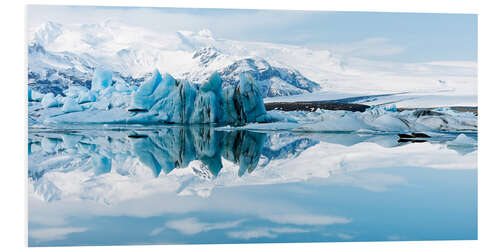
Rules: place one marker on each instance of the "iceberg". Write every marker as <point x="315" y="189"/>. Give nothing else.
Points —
<point x="463" y="140"/>
<point x="463" y="144"/>
<point x="377" y="119"/>
<point x="150" y="92"/>
<point x="34" y="96"/>
<point x="49" y="101"/>
<point x="161" y="99"/>
<point x="101" y="80"/>
<point x="71" y="105"/>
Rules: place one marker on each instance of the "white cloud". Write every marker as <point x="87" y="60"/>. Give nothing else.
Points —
<point x="370" y="47"/>
<point x="264" y="232"/>
<point x="55" y="233"/>
<point x="306" y="219"/>
<point x="251" y="234"/>
<point x="375" y="182"/>
<point x="192" y="226"/>
<point x="394" y="237"/>
<point x="244" y="23"/>
<point x="463" y="64"/>
<point x="345" y="236"/>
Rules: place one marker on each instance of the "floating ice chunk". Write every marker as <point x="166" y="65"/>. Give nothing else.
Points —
<point x="279" y="117"/>
<point x="71" y="105"/>
<point x="163" y="99"/>
<point x="101" y="80"/>
<point x="214" y="84"/>
<point x="391" y="108"/>
<point x="142" y="98"/>
<point x="49" y="101"/>
<point x="34" y="147"/>
<point x="106" y="93"/>
<point x="248" y="94"/>
<point x="463" y="144"/>
<point x="243" y="103"/>
<point x="344" y="123"/>
<point x="119" y="100"/>
<point x="178" y="106"/>
<point x="121" y="87"/>
<point x="208" y="102"/>
<point x="388" y="122"/>
<point x="34" y="96"/>
<point x="274" y="126"/>
<point x="102" y="104"/>
<point x="228" y="105"/>
<point x="86" y="97"/>
<point x="462" y="140"/>
<point x="206" y="108"/>
<point x="153" y="90"/>
<point x="75" y="91"/>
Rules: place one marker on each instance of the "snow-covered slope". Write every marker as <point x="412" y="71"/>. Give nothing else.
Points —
<point x="74" y="50"/>
<point x="273" y="81"/>
<point x="60" y="56"/>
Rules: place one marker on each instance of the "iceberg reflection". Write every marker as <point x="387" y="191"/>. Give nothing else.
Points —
<point x="167" y="148"/>
<point x="162" y="150"/>
<point x="185" y="184"/>
<point x="172" y="148"/>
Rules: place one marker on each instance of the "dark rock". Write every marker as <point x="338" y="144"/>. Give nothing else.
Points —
<point x="421" y="112"/>
<point x="420" y="135"/>
<point x="405" y="136"/>
<point x="135" y="136"/>
<point x="137" y="110"/>
<point x="313" y="106"/>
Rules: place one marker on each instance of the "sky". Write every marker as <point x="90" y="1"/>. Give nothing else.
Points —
<point x="401" y="37"/>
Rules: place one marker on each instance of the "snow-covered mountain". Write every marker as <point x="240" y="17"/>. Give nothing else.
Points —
<point x="273" y="81"/>
<point x="65" y="54"/>
<point x="56" y="71"/>
<point x="53" y="66"/>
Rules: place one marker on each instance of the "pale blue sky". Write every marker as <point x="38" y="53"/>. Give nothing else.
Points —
<point x="404" y="37"/>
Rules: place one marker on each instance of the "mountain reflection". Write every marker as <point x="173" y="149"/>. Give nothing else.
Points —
<point x="161" y="150"/>
<point x="100" y="151"/>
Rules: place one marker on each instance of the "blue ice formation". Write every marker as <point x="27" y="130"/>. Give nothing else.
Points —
<point x="180" y="102"/>
<point x="161" y="99"/>
<point x="34" y="96"/>
<point x="177" y="147"/>
<point x="71" y="105"/>
<point x="101" y="80"/>
<point x="49" y="101"/>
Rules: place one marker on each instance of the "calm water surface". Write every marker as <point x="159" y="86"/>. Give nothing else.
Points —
<point x="179" y="185"/>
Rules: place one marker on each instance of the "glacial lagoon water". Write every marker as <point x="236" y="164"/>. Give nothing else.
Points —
<point x="115" y="185"/>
